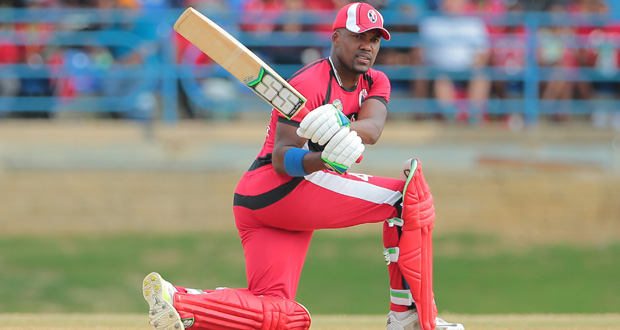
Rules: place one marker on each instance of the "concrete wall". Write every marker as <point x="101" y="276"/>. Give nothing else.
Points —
<point x="110" y="178"/>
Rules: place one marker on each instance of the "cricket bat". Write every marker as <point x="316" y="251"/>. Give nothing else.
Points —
<point x="237" y="59"/>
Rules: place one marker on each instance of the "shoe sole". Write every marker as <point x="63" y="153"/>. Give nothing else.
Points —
<point x="162" y="315"/>
<point x="449" y="326"/>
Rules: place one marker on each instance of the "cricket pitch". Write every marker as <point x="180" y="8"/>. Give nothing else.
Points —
<point x="321" y="322"/>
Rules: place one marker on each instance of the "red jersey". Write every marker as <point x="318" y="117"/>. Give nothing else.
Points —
<point x="319" y="83"/>
<point x="274" y="233"/>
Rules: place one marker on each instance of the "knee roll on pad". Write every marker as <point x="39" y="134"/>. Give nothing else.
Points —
<point x="238" y="309"/>
<point x="418" y="204"/>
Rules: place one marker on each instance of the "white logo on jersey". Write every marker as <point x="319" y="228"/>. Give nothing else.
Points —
<point x="363" y="95"/>
<point x="338" y="104"/>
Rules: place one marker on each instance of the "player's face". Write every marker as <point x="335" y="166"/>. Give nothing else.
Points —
<point x="357" y="51"/>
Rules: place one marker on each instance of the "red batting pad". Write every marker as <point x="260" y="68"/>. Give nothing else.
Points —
<point x="238" y="309"/>
<point x="416" y="247"/>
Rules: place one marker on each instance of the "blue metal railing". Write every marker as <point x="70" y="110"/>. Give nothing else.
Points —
<point x="158" y="72"/>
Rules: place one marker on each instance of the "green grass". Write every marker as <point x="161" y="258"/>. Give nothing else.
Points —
<point x="556" y="279"/>
<point x="343" y="274"/>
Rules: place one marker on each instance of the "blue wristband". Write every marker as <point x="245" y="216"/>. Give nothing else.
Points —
<point x="293" y="162"/>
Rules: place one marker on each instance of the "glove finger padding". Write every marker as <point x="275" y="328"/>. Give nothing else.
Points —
<point x="333" y="143"/>
<point x="310" y="118"/>
<point x="350" y="154"/>
<point x="322" y="129"/>
<point x="322" y="123"/>
<point x="313" y="121"/>
<point x="318" y="122"/>
<point x="344" y="148"/>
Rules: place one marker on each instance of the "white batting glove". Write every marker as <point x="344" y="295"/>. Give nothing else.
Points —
<point x="343" y="150"/>
<point x="322" y="123"/>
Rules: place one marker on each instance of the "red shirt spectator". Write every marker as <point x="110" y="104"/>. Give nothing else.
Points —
<point x="9" y="52"/>
<point x="263" y="14"/>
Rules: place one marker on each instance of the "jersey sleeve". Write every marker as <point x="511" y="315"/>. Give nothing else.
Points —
<point x="380" y="87"/>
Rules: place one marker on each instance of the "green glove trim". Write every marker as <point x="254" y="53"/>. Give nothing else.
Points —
<point x="343" y="121"/>
<point x="339" y="168"/>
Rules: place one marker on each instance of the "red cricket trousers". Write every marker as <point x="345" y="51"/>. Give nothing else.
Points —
<point x="276" y="217"/>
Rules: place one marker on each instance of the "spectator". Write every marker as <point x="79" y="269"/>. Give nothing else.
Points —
<point x="587" y="34"/>
<point x="604" y="59"/>
<point x="608" y="61"/>
<point x="556" y="53"/>
<point x="455" y="44"/>
<point x="144" y="105"/>
<point x="204" y="5"/>
<point x="324" y="10"/>
<point x="10" y="54"/>
<point x="261" y="15"/>
<point x="186" y="52"/>
<point x="395" y="57"/>
<point x="594" y="42"/>
<point x="407" y="11"/>
<point x="33" y="37"/>
<point x="76" y="69"/>
<point x="217" y="88"/>
<point x="292" y="25"/>
<point x="286" y="18"/>
<point x="261" y="18"/>
<point x="535" y="5"/>
<point x="493" y="7"/>
<point x="508" y="55"/>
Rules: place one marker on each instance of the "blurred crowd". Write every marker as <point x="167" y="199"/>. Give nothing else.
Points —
<point x="454" y="51"/>
<point x="470" y="38"/>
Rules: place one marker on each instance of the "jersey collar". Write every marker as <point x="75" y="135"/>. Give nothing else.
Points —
<point x="337" y="75"/>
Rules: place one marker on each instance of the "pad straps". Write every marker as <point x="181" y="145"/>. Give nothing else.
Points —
<point x="401" y="297"/>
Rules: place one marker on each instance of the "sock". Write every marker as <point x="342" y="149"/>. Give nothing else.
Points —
<point x="402" y="315"/>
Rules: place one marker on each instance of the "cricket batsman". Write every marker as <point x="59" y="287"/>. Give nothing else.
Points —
<point x="300" y="182"/>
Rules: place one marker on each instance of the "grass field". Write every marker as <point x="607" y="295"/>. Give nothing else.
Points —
<point x="320" y="322"/>
<point x="518" y="245"/>
<point x="344" y="274"/>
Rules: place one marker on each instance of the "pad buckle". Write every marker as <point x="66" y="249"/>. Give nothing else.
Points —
<point x="395" y="222"/>
<point x="391" y="255"/>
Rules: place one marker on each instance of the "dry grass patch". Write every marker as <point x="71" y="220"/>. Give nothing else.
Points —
<point x="320" y="322"/>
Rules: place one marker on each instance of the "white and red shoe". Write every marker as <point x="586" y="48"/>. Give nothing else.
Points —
<point x="159" y="294"/>
<point x="410" y="322"/>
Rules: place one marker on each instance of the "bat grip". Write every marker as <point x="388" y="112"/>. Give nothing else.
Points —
<point x="359" y="160"/>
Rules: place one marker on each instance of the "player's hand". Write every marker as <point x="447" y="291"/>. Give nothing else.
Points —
<point x="343" y="150"/>
<point x="322" y="123"/>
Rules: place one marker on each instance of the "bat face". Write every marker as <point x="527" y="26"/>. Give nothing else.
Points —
<point x="279" y="95"/>
<point x="233" y="56"/>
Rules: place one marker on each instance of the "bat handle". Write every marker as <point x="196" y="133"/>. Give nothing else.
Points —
<point x="359" y="160"/>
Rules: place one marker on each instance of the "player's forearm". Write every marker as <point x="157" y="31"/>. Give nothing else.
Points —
<point x="369" y="130"/>
<point x="311" y="161"/>
<point x="370" y="121"/>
